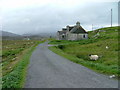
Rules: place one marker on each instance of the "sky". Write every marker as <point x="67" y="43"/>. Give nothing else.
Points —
<point x="49" y="16"/>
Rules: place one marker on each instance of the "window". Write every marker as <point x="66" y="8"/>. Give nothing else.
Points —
<point x="63" y="36"/>
<point x="83" y="36"/>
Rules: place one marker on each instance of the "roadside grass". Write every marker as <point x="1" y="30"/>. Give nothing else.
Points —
<point x="78" y="51"/>
<point x="14" y="71"/>
<point x="16" y="78"/>
<point x="12" y="50"/>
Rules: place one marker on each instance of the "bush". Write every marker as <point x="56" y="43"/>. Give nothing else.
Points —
<point x="61" y="46"/>
<point x="58" y="41"/>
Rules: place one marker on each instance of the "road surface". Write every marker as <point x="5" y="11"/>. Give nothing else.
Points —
<point x="49" y="70"/>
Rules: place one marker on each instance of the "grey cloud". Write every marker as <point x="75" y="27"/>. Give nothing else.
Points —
<point x="51" y="18"/>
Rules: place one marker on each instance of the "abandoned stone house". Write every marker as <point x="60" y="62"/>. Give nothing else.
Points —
<point x="72" y="33"/>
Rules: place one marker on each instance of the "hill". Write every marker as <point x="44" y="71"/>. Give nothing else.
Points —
<point x="45" y="35"/>
<point x="4" y="33"/>
<point x="10" y="36"/>
<point x="78" y="51"/>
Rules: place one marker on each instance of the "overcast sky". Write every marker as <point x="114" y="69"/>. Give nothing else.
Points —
<point x="41" y="16"/>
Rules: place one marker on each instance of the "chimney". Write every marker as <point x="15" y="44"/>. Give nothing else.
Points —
<point x="67" y="28"/>
<point x="78" y="24"/>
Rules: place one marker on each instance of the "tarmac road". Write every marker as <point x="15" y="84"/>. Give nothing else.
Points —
<point x="49" y="70"/>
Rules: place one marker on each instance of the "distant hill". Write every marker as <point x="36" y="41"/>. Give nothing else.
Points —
<point x="10" y="36"/>
<point x="4" y="33"/>
<point x="40" y="34"/>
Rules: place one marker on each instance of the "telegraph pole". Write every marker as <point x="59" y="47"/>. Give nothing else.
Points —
<point x="111" y="17"/>
<point x="92" y="27"/>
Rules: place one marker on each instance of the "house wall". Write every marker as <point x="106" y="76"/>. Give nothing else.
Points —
<point x="72" y="36"/>
<point x="86" y="36"/>
<point x="61" y="37"/>
<point x="58" y="36"/>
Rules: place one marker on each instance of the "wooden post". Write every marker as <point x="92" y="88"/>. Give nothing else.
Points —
<point x="111" y="17"/>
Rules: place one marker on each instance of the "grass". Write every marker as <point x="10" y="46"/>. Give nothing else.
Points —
<point x="15" y="79"/>
<point x="12" y="51"/>
<point x="14" y="71"/>
<point x="78" y="51"/>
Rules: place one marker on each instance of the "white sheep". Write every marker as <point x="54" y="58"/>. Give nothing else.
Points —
<point x="112" y="76"/>
<point x="107" y="47"/>
<point x="93" y="57"/>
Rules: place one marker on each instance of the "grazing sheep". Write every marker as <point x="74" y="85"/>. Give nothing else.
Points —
<point x="93" y="57"/>
<point x="112" y="76"/>
<point x="107" y="47"/>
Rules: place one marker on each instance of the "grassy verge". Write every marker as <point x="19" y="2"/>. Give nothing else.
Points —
<point x="12" y="51"/>
<point x="98" y="67"/>
<point x="16" y="78"/>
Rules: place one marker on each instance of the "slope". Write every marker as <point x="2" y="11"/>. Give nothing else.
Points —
<point x="78" y="51"/>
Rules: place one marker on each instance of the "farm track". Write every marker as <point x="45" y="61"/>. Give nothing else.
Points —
<point x="49" y="70"/>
